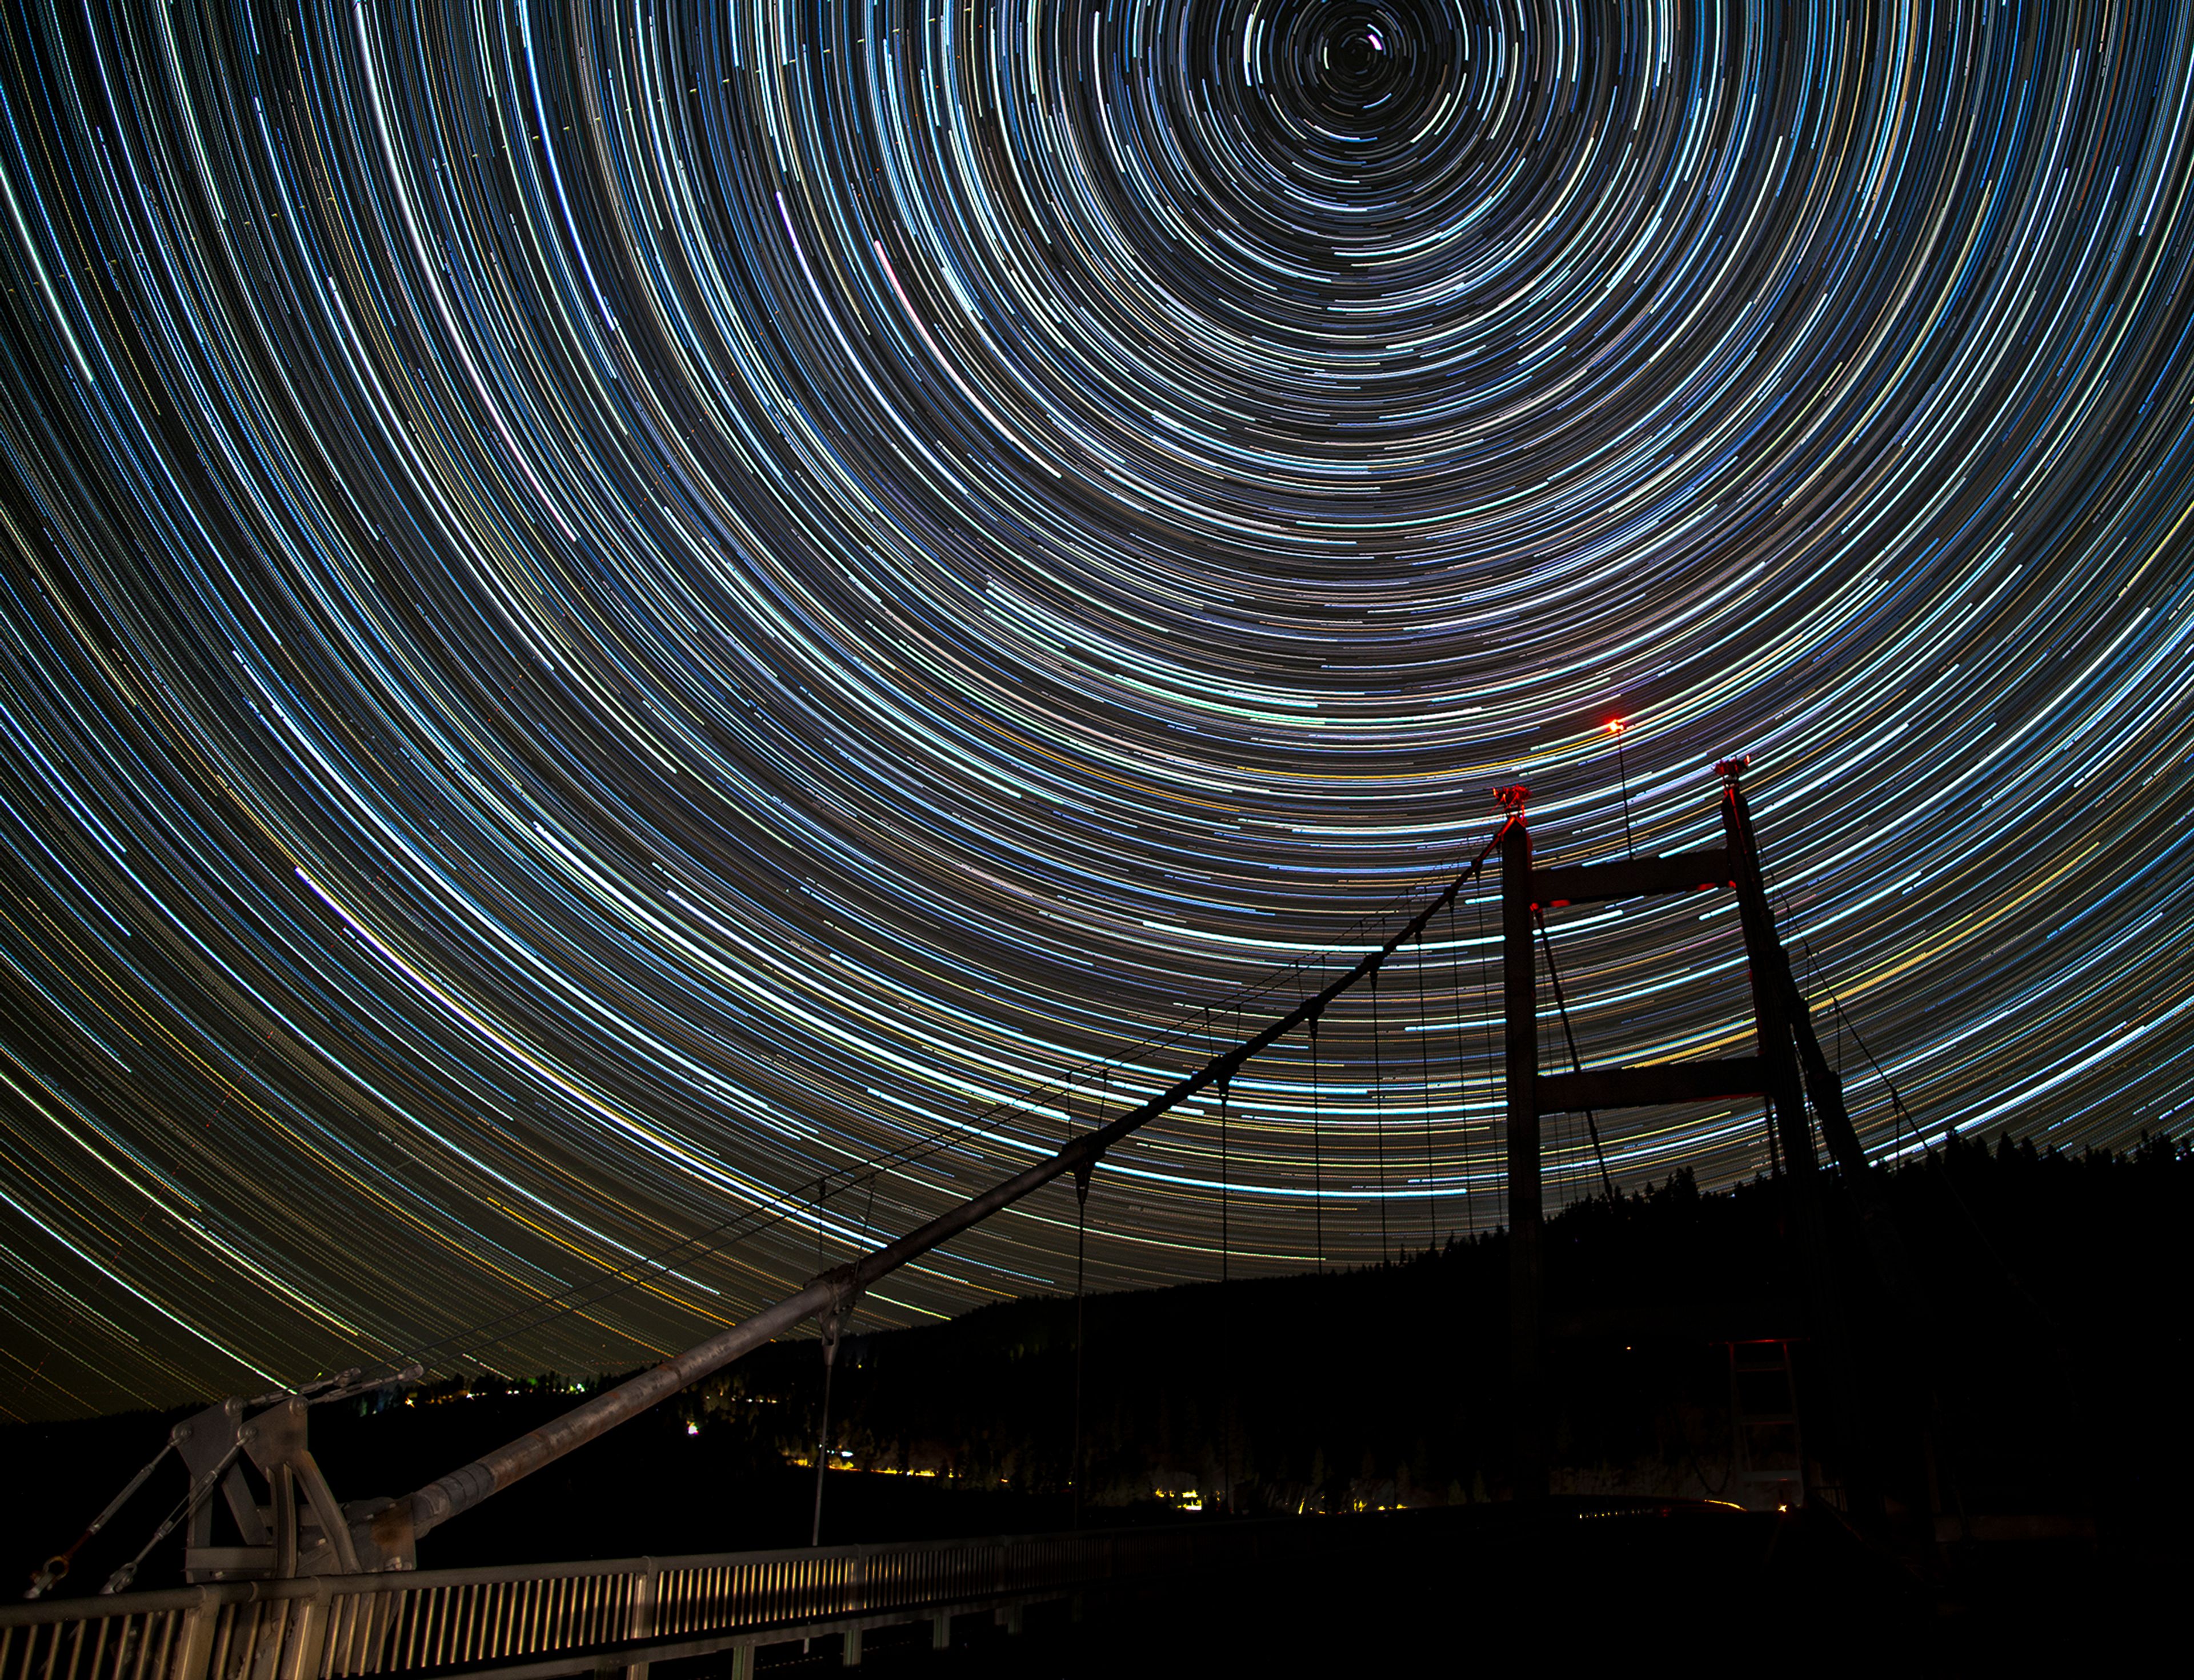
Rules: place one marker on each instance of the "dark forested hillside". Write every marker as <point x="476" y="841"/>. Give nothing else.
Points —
<point x="2044" y="1362"/>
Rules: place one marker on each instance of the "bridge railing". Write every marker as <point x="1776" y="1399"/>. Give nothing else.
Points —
<point x="550" y="1618"/>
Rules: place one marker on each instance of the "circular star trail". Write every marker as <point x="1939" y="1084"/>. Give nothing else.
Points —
<point x="611" y="612"/>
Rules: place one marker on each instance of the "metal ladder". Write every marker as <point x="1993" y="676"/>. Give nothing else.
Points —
<point x="1767" y="1442"/>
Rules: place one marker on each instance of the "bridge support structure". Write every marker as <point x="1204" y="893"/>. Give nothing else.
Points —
<point x="304" y="1532"/>
<point x="1783" y="1034"/>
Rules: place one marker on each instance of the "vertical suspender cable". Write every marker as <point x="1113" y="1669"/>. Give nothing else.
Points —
<point x="1576" y="1062"/>
<point x="1622" y="770"/>
<point x="1081" y="1220"/>
<point x="1425" y="1066"/>
<point x="1486" y="1016"/>
<point x="830" y="1325"/>
<point x="1379" y="1115"/>
<point x="1226" y="1323"/>
<point x="822" y="1440"/>
<point x="1226" y="1247"/>
<point x="1074" y="1447"/>
<point x="1224" y="1083"/>
<point x="1461" y="1070"/>
<point x="1316" y="1158"/>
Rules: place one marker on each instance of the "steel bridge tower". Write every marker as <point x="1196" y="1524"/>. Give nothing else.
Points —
<point x="1787" y="1067"/>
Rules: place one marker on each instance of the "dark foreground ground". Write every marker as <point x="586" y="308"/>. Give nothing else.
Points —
<point x="2058" y="1352"/>
<point x="1450" y="1590"/>
<point x="1431" y="1592"/>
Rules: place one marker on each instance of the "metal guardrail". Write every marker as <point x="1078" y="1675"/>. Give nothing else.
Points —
<point x="552" y="1618"/>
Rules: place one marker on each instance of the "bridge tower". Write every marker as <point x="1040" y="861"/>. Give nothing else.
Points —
<point x="1785" y="1040"/>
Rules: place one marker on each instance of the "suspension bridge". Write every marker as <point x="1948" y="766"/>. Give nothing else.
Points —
<point x="313" y="1588"/>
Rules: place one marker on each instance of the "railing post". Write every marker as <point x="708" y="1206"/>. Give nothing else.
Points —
<point x="195" y="1649"/>
<point x="640" y="1623"/>
<point x="308" y="1633"/>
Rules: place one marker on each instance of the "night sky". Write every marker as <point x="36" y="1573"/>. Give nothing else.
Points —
<point x="601" y="621"/>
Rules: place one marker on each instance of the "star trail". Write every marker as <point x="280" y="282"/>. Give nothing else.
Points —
<point x="613" y="613"/>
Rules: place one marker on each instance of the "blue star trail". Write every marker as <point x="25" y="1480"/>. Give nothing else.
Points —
<point x="611" y="612"/>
